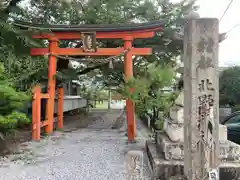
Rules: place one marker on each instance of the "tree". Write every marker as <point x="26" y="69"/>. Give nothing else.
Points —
<point x="229" y="86"/>
<point x="14" y="48"/>
<point x="101" y="11"/>
<point x="148" y="94"/>
<point x="8" y="6"/>
<point x="14" y="68"/>
<point x="11" y="103"/>
<point x="106" y="12"/>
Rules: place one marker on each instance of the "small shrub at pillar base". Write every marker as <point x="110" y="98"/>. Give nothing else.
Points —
<point x="13" y="121"/>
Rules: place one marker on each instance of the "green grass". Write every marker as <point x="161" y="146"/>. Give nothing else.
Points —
<point x="102" y="106"/>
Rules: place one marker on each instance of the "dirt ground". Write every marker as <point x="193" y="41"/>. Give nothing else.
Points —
<point x="11" y="142"/>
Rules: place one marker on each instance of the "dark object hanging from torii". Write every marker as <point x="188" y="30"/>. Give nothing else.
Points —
<point x="89" y="35"/>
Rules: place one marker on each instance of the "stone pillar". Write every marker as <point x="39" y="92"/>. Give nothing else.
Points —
<point x="109" y="98"/>
<point x="201" y="99"/>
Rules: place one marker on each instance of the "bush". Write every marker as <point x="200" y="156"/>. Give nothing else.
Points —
<point x="229" y="86"/>
<point x="236" y="108"/>
<point x="13" y="121"/>
<point x="11" y="102"/>
<point x="150" y="101"/>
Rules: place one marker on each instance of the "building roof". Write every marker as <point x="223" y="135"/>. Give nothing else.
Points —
<point x="92" y="27"/>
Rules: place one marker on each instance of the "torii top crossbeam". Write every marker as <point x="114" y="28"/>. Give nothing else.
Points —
<point x="109" y="28"/>
<point x="89" y="35"/>
<point x="106" y="31"/>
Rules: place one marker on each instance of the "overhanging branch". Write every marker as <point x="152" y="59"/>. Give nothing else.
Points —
<point x="89" y="69"/>
<point x="12" y="4"/>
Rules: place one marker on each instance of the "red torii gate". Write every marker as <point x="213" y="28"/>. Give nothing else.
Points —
<point x="126" y="32"/>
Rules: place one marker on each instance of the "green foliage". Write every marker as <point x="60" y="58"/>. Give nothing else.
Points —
<point x="24" y="71"/>
<point x="148" y="95"/>
<point x="10" y="102"/>
<point x="101" y="12"/>
<point x="229" y="86"/>
<point x="12" y="121"/>
<point x="159" y="124"/>
<point x="165" y="47"/>
<point x="236" y="108"/>
<point x="101" y="95"/>
<point x="10" y="99"/>
<point x="15" y="46"/>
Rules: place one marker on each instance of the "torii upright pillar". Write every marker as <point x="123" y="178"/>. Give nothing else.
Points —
<point x="52" y="66"/>
<point x="128" y="70"/>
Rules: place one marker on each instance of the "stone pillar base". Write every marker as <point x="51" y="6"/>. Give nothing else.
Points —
<point x="164" y="169"/>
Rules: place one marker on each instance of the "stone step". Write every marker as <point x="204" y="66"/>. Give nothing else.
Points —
<point x="229" y="151"/>
<point x="180" y="99"/>
<point x="174" y="130"/>
<point x="164" y="169"/>
<point x="176" y="113"/>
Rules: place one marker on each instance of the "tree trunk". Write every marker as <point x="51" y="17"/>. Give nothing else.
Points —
<point x="109" y="98"/>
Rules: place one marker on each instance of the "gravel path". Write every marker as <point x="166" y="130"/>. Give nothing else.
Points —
<point x="93" y="153"/>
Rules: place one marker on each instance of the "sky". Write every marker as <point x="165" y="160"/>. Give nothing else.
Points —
<point x="229" y="50"/>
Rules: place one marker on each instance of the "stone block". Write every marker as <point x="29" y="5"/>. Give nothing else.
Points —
<point x="180" y="99"/>
<point x="174" y="130"/>
<point x="176" y="113"/>
<point x="171" y="150"/>
<point x="134" y="163"/>
<point x="164" y="169"/>
<point x="224" y="112"/>
<point x="222" y="133"/>
<point x="229" y="151"/>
